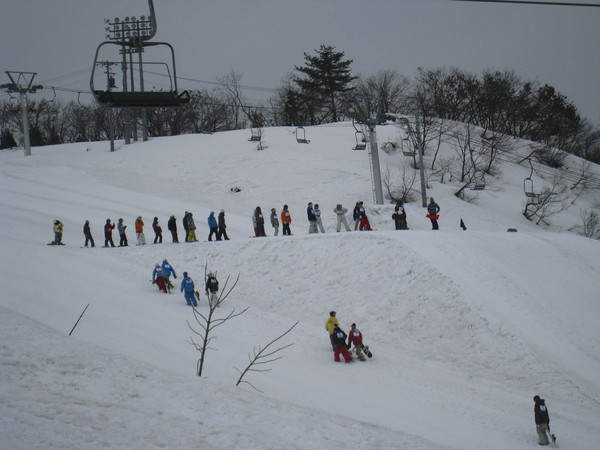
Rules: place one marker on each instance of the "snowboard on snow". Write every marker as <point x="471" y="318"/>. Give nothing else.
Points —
<point x="366" y="351"/>
<point x="54" y="243"/>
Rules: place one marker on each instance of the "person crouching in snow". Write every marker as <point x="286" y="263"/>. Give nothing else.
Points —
<point x="340" y="345"/>
<point x="158" y="278"/>
<point x="355" y="337"/>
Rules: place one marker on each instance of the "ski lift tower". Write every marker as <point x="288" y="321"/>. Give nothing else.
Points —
<point x="22" y="82"/>
<point x="363" y="118"/>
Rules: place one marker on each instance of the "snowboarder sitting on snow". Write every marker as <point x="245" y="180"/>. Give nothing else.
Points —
<point x="169" y="270"/>
<point x="331" y="323"/>
<point x="399" y="217"/>
<point x="158" y="278"/>
<point x="542" y="420"/>
<point x="355" y="337"/>
<point x="340" y="345"/>
<point x="58" y="231"/>
<point x="212" y="287"/>
<point x="187" y="287"/>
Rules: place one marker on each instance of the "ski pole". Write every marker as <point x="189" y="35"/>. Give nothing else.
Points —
<point x="78" y="319"/>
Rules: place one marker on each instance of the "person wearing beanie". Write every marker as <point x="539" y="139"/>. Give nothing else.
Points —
<point x="340" y="212"/>
<point x="355" y="337"/>
<point x="172" y="227"/>
<point x="542" y="420"/>
<point x="187" y="287"/>
<point x="339" y="339"/>
<point x="286" y="219"/>
<point x="274" y="221"/>
<point x="331" y="323"/>
<point x="433" y="210"/>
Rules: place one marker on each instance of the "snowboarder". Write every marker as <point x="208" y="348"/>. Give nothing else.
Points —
<point x="340" y="345"/>
<point x="331" y="323"/>
<point x="58" y="232"/>
<point x="399" y="217"/>
<point x="139" y="230"/>
<point x="542" y="421"/>
<point x="433" y="210"/>
<point x="187" y="287"/>
<point x="355" y="337"/>
<point x="158" y="278"/>
<point x="317" y="212"/>
<point x="213" y="227"/>
<point x="362" y="216"/>
<point x="212" y="287"/>
<point x="169" y="270"/>
<point x="274" y="221"/>
<point x="172" y="226"/>
<point x="286" y="219"/>
<point x="340" y="212"/>
<point x="157" y="231"/>
<point x="312" y="219"/>
<point x="259" y="223"/>
<point x="88" y="234"/>
<point x="356" y="215"/>
<point x="122" y="235"/>
<point x="108" y="229"/>
<point x="222" y="232"/>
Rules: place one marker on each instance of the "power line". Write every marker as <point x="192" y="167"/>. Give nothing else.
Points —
<point x="533" y="2"/>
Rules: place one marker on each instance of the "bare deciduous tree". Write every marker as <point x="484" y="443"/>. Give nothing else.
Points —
<point x="262" y="356"/>
<point x="550" y="201"/>
<point x="590" y="226"/>
<point x="207" y="322"/>
<point x="399" y="182"/>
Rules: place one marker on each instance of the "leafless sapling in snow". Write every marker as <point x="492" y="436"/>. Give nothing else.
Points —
<point x="262" y="356"/>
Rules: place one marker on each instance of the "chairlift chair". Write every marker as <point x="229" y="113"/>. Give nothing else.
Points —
<point x="361" y="141"/>
<point x="478" y="183"/>
<point x="407" y="149"/>
<point x="256" y="135"/>
<point x="301" y="135"/>
<point x="140" y="99"/>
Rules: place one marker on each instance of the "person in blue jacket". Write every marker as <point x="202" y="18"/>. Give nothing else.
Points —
<point x="214" y="227"/>
<point x="187" y="287"/>
<point x="169" y="270"/>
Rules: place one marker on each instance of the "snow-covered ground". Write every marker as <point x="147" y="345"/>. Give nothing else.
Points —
<point x="465" y="327"/>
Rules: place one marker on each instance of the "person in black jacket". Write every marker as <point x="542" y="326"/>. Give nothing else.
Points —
<point x="221" y="233"/>
<point x="88" y="234"/>
<point x="212" y="289"/>
<point x="433" y="211"/>
<point x="339" y="341"/>
<point x="542" y="420"/>
<point x="172" y="226"/>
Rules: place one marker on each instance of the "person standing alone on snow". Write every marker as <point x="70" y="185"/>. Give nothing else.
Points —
<point x="340" y="212"/>
<point x="139" y="230"/>
<point x="88" y="234"/>
<point x="212" y="287"/>
<point x="187" y="287"/>
<point x="542" y="420"/>
<point x="58" y="232"/>
<point x="433" y="210"/>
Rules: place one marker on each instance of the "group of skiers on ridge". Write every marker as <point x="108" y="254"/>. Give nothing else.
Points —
<point x="217" y="226"/>
<point x="161" y="276"/>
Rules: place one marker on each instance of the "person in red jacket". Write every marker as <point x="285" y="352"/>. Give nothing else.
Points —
<point x="108" y="227"/>
<point x="355" y="337"/>
<point x="339" y="338"/>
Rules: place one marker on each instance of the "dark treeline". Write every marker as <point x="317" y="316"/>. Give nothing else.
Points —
<point x="323" y="90"/>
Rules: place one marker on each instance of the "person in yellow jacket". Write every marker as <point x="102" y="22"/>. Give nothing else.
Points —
<point x="330" y="325"/>
<point x="139" y="229"/>
<point x="58" y="231"/>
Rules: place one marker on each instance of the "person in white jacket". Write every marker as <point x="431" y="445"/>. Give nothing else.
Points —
<point x="340" y="212"/>
<point x="317" y="212"/>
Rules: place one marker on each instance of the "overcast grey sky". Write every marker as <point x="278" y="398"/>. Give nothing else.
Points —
<point x="264" y="39"/>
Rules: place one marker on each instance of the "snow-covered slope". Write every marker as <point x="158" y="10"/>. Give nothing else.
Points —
<point x="465" y="326"/>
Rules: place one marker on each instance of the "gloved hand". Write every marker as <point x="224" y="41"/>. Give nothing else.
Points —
<point x="153" y="282"/>
<point x="348" y="346"/>
<point x="206" y="293"/>
<point x="175" y="276"/>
